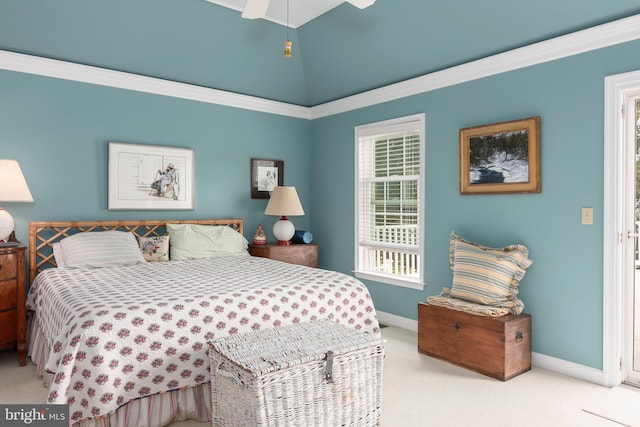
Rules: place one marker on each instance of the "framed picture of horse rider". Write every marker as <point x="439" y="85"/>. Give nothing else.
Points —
<point x="149" y="177"/>
<point x="501" y="157"/>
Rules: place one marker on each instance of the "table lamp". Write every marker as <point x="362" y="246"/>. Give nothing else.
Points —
<point x="284" y="202"/>
<point x="13" y="188"/>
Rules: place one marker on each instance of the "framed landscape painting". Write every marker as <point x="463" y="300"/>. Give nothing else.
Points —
<point x="150" y="177"/>
<point x="501" y="157"/>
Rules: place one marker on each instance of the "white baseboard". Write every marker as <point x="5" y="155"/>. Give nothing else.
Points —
<point x="394" y="320"/>
<point x="538" y="360"/>
<point x="567" y="368"/>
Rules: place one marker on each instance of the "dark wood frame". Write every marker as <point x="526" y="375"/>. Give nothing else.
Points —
<point x="257" y="163"/>
<point x="532" y="185"/>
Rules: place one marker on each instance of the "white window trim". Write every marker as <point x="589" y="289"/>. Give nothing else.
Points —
<point x="373" y="129"/>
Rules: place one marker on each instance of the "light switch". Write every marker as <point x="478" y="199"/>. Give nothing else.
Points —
<point x="587" y="216"/>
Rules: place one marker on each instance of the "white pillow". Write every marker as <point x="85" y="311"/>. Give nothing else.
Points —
<point x="100" y="249"/>
<point x="57" y="255"/>
<point x="194" y="241"/>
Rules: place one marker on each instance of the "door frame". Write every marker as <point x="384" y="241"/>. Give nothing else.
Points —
<point x="615" y="244"/>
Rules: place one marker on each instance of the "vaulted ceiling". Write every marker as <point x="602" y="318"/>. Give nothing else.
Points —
<point x="342" y="51"/>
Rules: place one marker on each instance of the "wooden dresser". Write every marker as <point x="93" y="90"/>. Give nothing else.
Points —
<point x="303" y="254"/>
<point x="499" y="347"/>
<point x="13" y="319"/>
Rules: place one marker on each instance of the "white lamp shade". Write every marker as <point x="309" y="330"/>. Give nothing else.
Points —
<point x="13" y="188"/>
<point x="284" y="201"/>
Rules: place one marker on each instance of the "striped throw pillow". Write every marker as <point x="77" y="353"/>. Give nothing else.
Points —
<point x="466" y="306"/>
<point x="485" y="275"/>
<point x="100" y="249"/>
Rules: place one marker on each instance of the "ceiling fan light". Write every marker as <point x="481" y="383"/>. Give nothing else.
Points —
<point x="254" y="9"/>
<point x="361" y="4"/>
<point x="287" y="49"/>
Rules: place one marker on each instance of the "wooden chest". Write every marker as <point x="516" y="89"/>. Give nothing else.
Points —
<point x="499" y="347"/>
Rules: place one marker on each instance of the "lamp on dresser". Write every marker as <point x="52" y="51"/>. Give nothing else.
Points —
<point x="13" y="188"/>
<point x="284" y="202"/>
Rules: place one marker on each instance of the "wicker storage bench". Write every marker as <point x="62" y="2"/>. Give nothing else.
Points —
<point x="309" y="374"/>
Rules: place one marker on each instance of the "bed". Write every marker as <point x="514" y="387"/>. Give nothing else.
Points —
<point x="126" y="344"/>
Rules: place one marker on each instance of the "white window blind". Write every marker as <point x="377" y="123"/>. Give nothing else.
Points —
<point x="389" y="208"/>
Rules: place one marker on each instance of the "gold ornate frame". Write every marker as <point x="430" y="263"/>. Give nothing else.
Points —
<point x="478" y="144"/>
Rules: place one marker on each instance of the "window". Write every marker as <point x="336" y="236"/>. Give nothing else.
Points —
<point x="389" y="198"/>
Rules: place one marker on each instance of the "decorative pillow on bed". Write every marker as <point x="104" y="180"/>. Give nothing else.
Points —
<point x="194" y="241"/>
<point x="57" y="255"/>
<point x="485" y="275"/>
<point x="100" y="249"/>
<point x="154" y="248"/>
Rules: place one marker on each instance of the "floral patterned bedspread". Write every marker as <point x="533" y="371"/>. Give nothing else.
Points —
<point x="117" y="334"/>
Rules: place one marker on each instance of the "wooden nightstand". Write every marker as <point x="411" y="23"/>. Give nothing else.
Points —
<point x="13" y="317"/>
<point x="303" y="254"/>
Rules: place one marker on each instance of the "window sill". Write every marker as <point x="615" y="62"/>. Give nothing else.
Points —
<point x="390" y="280"/>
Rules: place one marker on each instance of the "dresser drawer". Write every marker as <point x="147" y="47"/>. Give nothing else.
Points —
<point x="302" y="254"/>
<point x="8" y="294"/>
<point x="8" y="328"/>
<point x="8" y="266"/>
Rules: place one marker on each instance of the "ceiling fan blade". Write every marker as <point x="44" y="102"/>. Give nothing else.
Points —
<point x="254" y="9"/>
<point x="361" y="3"/>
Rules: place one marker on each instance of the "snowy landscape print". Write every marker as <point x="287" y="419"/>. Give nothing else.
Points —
<point x="499" y="158"/>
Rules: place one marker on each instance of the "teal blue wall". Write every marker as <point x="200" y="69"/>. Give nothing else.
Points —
<point x="563" y="289"/>
<point x="59" y="130"/>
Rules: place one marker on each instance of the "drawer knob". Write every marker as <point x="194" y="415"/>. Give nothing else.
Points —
<point x="519" y="336"/>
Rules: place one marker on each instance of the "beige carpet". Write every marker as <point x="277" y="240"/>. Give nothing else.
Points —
<point x="421" y="391"/>
<point x="620" y="405"/>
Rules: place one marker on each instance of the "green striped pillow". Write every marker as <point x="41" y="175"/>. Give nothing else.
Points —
<point x="488" y="276"/>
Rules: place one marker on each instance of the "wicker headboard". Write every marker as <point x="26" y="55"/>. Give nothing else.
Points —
<point x="42" y="235"/>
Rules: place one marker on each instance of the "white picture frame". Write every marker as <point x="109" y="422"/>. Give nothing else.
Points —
<point x="150" y="177"/>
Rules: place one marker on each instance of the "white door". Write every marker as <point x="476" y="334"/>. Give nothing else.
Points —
<point x="631" y="292"/>
<point x="622" y="93"/>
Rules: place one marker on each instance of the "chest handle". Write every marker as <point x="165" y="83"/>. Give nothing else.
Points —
<point x="328" y="371"/>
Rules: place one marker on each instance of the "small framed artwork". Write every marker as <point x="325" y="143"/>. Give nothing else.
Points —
<point x="149" y="177"/>
<point x="265" y="176"/>
<point x="501" y="157"/>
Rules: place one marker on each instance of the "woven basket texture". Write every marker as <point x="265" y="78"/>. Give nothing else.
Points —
<point x="276" y="377"/>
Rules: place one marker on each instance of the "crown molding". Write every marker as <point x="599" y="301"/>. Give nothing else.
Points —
<point x="616" y="32"/>
<point x="104" y="77"/>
